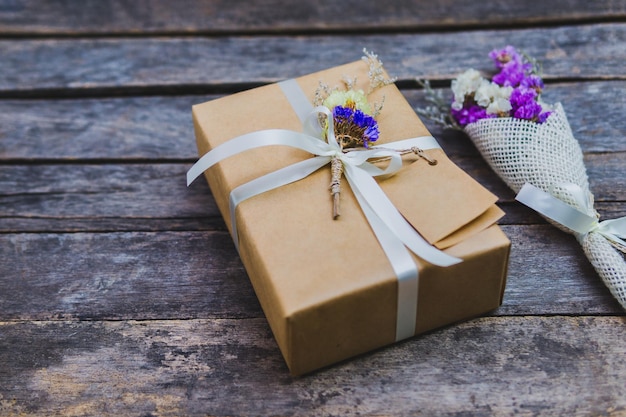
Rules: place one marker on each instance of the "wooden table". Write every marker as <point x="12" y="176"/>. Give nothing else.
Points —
<point x="120" y="290"/>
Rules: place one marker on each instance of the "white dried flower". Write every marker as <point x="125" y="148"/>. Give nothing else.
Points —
<point x="465" y="85"/>
<point x="493" y="97"/>
<point x="376" y="73"/>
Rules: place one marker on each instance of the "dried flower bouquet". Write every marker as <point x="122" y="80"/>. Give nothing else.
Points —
<point x="530" y="145"/>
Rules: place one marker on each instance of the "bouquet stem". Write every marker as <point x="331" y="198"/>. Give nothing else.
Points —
<point x="335" y="184"/>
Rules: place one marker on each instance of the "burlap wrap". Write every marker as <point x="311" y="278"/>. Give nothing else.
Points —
<point x="548" y="156"/>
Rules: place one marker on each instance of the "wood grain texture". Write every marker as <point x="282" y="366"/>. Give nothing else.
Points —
<point x="174" y="275"/>
<point x="527" y="366"/>
<point x="160" y="127"/>
<point x="271" y="16"/>
<point x="515" y="214"/>
<point x="146" y="192"/>
<point x="136" y="65"/>
<point x="121" y="292"/>
<point x="107" y="190"/>
<point x="130" y="128"/>
<point x="123" y="275"/>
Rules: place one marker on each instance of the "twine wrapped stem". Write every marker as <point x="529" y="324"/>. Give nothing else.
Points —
<point x="336" y="168"/>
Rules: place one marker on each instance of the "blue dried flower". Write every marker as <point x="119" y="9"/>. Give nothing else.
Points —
<point x="354" y="128"/>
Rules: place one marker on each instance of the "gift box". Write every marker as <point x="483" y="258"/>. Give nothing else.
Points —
<point x="327" y="286"/>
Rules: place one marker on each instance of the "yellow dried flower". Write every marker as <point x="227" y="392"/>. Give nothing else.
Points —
<point x="354" y="99"/>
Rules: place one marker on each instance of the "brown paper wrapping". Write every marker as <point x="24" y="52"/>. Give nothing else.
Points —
<point x="326" y="287"/>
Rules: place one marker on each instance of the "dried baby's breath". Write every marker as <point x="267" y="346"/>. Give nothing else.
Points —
<point x="376" y="73"/>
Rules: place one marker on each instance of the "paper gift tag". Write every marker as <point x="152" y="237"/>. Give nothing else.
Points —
<point x="441" y="201"/>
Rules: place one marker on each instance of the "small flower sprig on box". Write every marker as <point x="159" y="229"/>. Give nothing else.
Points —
<point x="530" y="145"/>
<point x="354" y="118"/>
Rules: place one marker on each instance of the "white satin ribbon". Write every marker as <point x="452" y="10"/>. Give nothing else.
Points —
<point x="392" y="230"/>
<point x="580" y="222"/>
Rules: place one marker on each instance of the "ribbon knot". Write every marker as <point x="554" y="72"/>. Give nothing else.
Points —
<point x="613" y="230"/>
<point x="573" y="218"/>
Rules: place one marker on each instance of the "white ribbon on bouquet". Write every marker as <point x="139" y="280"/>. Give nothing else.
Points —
<point x="582" y="223"/>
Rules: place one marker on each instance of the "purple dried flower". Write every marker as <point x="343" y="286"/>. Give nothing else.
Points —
<point x="510" y="75"/>
<point x="470" y="114"/>
<point x="513" y="68"/>
<point x="534" y="82"/>
<point x="529" y="111"/>
<point x="522" y="96"/>
<point x="516" y="93"/>
<point x="543" y="116"/>
<point x="525" y="106"/>
<point x="504" y="56"/>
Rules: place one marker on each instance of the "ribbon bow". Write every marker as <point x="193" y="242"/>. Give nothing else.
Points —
<point x="358" y="171"/>
<point x="580" y="222"/>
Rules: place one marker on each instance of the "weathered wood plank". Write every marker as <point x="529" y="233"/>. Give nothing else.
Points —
<point x="81" y="192"/>
<point x="547" y="261"/>
<point x="131" y="128"/>
<point x="600" y="169"/>
<point x="103" y="224"/>
<point x="107" y="190"/>
<point x="113" y="275"/>
<point x="172" y="275"/>
<point x="528" y="366"/>
<point x="149" y="128"/>
<point x="515" y="214"/>
<point x="129" y="298"/>
<point x="222" y="16"/>
<point x="132" y="65"/>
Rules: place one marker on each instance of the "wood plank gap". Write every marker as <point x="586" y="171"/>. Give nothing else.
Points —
<point x="312" y="31"/>
<point x="130" y="91"/>
<point x="95" y="161"/>
<point x="407" y="84"/>
<point x="75" y="320"/>
<point x="104" y="225"/>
